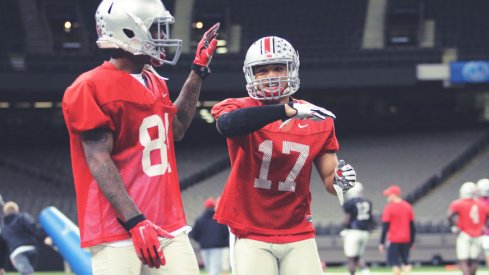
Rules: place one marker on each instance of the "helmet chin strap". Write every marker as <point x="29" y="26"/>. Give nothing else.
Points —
<point x="150" y="68"/>
<point x="156" y="63"/>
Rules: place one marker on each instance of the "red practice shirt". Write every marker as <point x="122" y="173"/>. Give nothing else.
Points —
<point x="485" y="201"/>
<point x="140" y="119"/>
<point x="267" y="195"/>
<point x="471" y="214"/>
<point x="399" y="216"/>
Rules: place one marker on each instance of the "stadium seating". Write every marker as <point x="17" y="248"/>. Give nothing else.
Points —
<point x="11" y="27"/>
<point x="33" y="193"/>
<point x="460" y="26"/>
<point x="318" y="30"/>
<point x="434" y="206"/>
<point x="13" y="33"/>
<point x="406" y="160"/>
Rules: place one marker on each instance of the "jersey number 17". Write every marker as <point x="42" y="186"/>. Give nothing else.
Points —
<point x="266" y="147"/>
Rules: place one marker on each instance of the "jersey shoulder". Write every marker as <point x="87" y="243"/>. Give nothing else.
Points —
<point x="231" y="104"/>
<point x="240" y="102"/>
<point x="106" y="84"/>
<point x="101" y="76"/>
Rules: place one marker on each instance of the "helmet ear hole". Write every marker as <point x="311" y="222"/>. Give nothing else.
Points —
<point x="110" y="8"/>
<point x="129" y="33"/>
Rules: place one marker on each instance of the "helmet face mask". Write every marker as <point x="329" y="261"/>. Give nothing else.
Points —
<point x="270" y="81"/>
<point x="140" y="27"/>
<point x="267" y="51"/>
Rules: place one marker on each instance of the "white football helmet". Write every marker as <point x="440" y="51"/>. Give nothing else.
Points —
<point x="126" y="24"/>
<point x="355" y="192"/>
<point x="483" y="185"/>
<point x="271" y="50"/>
<point x="468" y="190"/>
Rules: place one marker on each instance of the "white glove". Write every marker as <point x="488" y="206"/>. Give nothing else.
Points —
<point x="309" y="111"/>
<point x="344" y="176"/>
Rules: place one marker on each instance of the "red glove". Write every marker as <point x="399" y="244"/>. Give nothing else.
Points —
<point x="144" y="236"/>
<point x="205" y="50"/>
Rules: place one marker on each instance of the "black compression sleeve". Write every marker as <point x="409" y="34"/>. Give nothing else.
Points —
<point x="247" y="120"/>
<point x="412" y="231"/>
<point x="385" y="228"/>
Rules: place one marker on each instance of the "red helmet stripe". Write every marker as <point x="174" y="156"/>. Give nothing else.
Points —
<point x="267" y="44"/>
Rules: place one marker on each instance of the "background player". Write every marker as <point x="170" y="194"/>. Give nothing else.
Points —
<point x="273" y="140"/>
<point x="472" y="215"/>
<point x="398" y="226"/>
<point x="122" y="125"/>
<point x="358" y="223"/>
<point x="483" y="187"/>
<point x="23" y="237"/>
<point x="212" y="238"/>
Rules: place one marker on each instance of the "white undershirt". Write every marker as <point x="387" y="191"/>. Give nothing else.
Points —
<point x="123" y="243"/>
<point x="139" y="77"/>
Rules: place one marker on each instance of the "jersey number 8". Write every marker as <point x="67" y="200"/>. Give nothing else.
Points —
<point x="158" y="143"/>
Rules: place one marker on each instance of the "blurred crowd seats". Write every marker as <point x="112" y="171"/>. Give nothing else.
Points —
<point x="326" y="33"/>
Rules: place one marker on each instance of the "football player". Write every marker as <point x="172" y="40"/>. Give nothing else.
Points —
<point x="471" y="218"/>
<point x="358" y="223"/>
<point x="483" y="187"/>
<point x="273" y="142"/>
<point x="122" y="126"/>
<point x="398" y="228"/>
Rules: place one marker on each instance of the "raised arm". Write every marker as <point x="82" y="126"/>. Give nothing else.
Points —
<point x="186" y="105"/>
<point x="186" y="102"/>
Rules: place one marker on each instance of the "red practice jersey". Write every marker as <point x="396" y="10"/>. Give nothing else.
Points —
<point x="485" y="201"/>
<point x="267" y="192"/>
<point x="471" y="214"/>
<point x="399" y="216"/>
<point x="140" y="119"/>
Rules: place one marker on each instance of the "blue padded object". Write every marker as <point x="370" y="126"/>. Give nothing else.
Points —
<point x="66" y="238"/>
